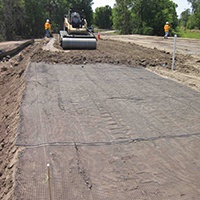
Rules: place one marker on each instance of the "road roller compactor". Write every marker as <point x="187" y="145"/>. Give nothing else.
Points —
<point x="76" y="34"/>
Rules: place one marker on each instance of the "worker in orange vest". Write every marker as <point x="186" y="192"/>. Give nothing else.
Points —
<point x="47" y="27"/>
<point x="166" y="29"/>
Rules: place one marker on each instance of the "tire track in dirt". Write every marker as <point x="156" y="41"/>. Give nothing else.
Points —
<point x="108" y="52"/>
<point x="115" y="138"/>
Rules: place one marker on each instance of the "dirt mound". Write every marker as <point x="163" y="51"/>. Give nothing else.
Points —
<point x="12" y="84"/>
<point x="111" y="52"/>
<point x="186" y="71"/>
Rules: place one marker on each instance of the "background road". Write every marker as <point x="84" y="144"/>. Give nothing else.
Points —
<point x="184" y="46"/>
<point x="108" y="132"/>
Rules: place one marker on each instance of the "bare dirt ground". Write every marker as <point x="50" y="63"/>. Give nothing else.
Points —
<point x="186" y="72"/>
<point x="6" y="46"/>
<point x="12" y="82"/>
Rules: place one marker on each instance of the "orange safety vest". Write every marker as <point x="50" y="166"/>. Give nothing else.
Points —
<point x="166" y="27"/>
<point x="47" y="26"/>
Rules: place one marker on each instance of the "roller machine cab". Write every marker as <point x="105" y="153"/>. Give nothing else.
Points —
<point x="75" y="34"/>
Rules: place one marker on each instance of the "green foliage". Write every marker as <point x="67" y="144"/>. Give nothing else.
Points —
<point x="147" y="31"/>
<point x="35" y="22"/>
<point x="197" y="17"/>
<point x="103" y="17"/>
<point x="195" y="5"/>
<point x="191" y="24"/>
<point x="185" y="33"/>
<point x="11" y="18"/>
<point x="122" y="17"/>
<point x="194" y="20"/>
<point x="26" y="18"/>
<point x="185" y="18"/>
<point x="144" y="16"/>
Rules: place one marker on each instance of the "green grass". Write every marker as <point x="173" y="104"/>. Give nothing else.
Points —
<point x="195" y="34"/>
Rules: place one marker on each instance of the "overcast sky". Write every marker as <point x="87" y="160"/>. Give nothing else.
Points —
<point x="182" y="4"/>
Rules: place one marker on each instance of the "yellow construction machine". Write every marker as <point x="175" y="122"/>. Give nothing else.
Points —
<point x="75" y="33"/>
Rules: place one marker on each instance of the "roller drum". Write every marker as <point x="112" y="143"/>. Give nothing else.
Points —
<point x="78" y="43"/>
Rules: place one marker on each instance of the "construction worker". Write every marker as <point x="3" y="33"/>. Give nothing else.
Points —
<point x="166" y="29"/>
<point x="47" y="27"/>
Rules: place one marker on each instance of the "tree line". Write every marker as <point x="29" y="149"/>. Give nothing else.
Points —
<point x="190" y="19"/>
<point x="147" y="16"/>
<point x="26" y="18"/>
<point x="144" y="16"/>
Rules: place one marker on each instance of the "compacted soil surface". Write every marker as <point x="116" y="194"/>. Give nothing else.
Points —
<point x="12" y="84"/>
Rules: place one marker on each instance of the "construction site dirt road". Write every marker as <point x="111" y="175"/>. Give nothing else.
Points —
<point x="107" y="126"/>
